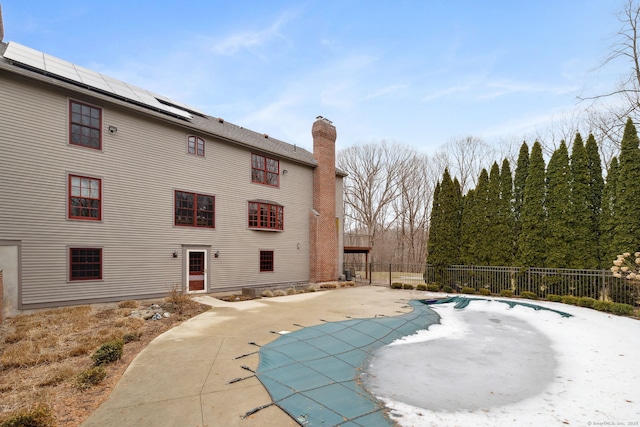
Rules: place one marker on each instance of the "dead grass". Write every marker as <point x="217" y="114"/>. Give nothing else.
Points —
<point x="41" y="354"/>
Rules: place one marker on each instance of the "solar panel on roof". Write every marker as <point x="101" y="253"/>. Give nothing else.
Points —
<point x="69" y="71"/>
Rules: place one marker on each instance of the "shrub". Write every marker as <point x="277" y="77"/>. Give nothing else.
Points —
<point x="554" y="298"/>
<point x="279" y="293"/>
<point x="448" y="289"/>
<point x="90" y="377"/>
<point x="396" y="285"/>
<point x="433" y="287"/>
<point x="179" y="299"/>
<point x="291" y="291"/>
<point x="586" y="302"/>
<point x="128" y="304"/>
<point x="267" y="293"/>
<point x="570" y="299"/>
<point x="468" y="290"/>
<point x="484" y="291"/>
<point x="108" y="352"/>
<point x="328" y="286"/>
<point x="131" y="336"/>
<point x="407" y="286"/>
<point x="621" y="309"/>
<point x="38" y="416"/>
<point x="528" y="295"/>
<point x="507" y="293"/>
<point x="421" y="287"/>
<point x="602" y="305"/>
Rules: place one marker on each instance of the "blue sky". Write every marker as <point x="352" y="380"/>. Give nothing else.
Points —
<point x="415" y="72"/>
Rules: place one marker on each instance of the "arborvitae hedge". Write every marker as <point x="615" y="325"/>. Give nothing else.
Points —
<point x="558" y="230"/>
<point x="532" y="248"/>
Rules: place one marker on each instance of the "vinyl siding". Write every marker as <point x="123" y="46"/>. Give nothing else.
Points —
<point x="141" y="166"/>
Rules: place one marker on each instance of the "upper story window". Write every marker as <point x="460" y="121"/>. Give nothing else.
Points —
<point x="85" y="127"/>
<point x="266" y="215"/>
<point x="264" y="170"/>
<point x="85" y="197"/>
<point x="194" y="210"/>
<point x="85" y="263"/>
<point x="195" y="145"/>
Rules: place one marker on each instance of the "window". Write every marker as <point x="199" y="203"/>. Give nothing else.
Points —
<point x="195" y="146"/>
<point x="266" y="215"/>
<point x="264" y="170"/>
<point x="85" y="196"/>
<point x="85" y="263"/>
<point x="85" y="125"/>
<point x="266" y="260"/>
<point x="194" y="210"/>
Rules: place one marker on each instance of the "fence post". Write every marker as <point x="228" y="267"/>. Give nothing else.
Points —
<point x="604" y="283"/>
<point x="389" y="274"/>
<point x="370" y="270"/>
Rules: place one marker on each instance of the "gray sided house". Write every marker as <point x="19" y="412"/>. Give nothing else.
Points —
<point x="109" y="192"/>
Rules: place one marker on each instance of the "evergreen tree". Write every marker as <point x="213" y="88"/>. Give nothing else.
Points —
<point x="483" y="217"/>
<point x="596" y="186"/>
<point x="531" y="241"/>
<point x="444" y="230"/>
<point x="432" y="236"/>
<point x="584" y="244"/>
<point x="626" y="236"/>
<point x="607" y="221"/>
<point x="469" y="229"/>
<point x="519" y="181"/>
<point x="503" y="240"/>
<point x="557" y="203"/>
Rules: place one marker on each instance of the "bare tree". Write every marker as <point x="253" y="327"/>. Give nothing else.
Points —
<point x="412" y="209"/>
<point x="371" y="186"/>
<point x="466" y="157"/>
<point x="608" y="112"/>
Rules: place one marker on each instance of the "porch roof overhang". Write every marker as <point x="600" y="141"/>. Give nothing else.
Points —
<point x="357" y="249"/>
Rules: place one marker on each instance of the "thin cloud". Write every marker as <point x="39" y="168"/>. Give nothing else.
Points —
<point x="385" y="91"/>
<point x="445" y="93"/>
<point x="502" y="88"/>
<point x="250" y="40"/>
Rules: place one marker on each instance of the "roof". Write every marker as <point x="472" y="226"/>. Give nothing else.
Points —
<point x="171" y="111"/>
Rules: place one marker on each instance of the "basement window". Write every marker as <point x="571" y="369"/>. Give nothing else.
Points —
<point x="266" y="261"/>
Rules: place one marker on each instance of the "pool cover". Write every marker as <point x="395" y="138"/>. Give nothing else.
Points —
<point x="313" y="373"/>
<point x="462" y="302"/>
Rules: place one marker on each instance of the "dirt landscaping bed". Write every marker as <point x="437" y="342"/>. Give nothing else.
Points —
<point x="42" y="355"/>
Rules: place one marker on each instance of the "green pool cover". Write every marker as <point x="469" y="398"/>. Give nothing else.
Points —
<point x="312" y="373"/>
<point x="462" y="302"/>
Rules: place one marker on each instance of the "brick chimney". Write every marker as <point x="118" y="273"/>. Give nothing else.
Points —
<point x="323" y="225"/>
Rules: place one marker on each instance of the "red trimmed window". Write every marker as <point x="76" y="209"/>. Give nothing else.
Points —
<point x="195" y="146"/>
<point x="194" y="210"/>
<point x="266" y="215"/>
<point x="85" y="263"/>
<point x="85" y="198"/>
<point x="266" y="260"/>
<point x="85" y="127"/>
<point x="264" y="170"/>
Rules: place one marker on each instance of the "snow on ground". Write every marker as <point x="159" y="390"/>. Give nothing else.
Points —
<point x="489" y="365"/>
